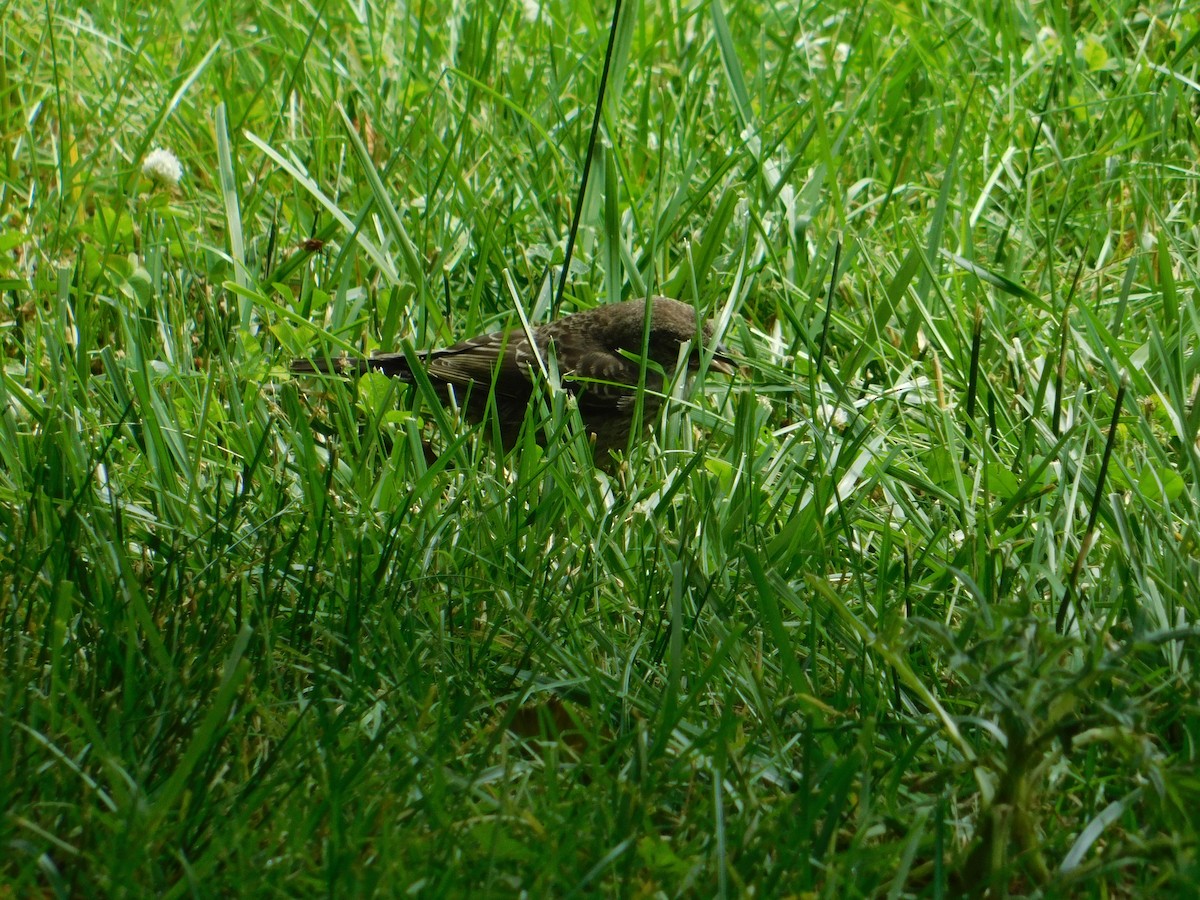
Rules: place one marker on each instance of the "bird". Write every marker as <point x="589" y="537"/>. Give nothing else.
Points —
<point x="598" y="354"/>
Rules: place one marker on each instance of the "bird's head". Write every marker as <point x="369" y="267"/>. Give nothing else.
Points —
<point x="672" y="324"/>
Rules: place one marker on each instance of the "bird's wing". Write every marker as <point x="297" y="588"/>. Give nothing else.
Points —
<point x="500" y="355"/>
<point x="608" y="380"/>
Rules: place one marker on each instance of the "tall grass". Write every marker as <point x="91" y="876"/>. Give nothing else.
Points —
<point x="908" y="608"/>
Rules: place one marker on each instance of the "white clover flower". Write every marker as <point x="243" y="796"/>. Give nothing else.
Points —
<point x="531" y="10"/>
<point x="832" y="415"/>
<point x="1045" y="46"/>
<point x="162" y="167"/>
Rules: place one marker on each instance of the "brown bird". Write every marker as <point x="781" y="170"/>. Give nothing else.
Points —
<point x="598" y="353"/>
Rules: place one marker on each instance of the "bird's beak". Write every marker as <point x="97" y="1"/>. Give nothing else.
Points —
<point x="721" y="362"/>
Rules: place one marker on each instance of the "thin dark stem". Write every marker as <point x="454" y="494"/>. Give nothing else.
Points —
<point x="1070" y="596"/>
<point x="587" y="162"/>
<point x="833" y="280"/>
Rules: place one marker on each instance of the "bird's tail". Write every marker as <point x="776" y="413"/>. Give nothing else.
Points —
<point x="393" y="364"/>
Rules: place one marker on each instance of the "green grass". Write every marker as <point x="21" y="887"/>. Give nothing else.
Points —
<point x="909" y="608"/>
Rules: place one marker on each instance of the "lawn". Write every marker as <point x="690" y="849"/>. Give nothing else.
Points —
<point x="908" y="607"/>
